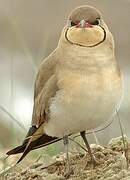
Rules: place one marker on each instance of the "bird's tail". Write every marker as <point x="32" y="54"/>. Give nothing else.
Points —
<point x="33" y="140"/>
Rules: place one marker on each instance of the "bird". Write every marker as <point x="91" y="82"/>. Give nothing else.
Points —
<point x="78" y="87"/>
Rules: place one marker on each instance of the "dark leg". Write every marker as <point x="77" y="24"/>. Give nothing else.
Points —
<point x="69" y="170"/>
<point x="93" y="160"/>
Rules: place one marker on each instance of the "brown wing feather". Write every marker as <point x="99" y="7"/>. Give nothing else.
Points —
<point x="21" y="148"/>
<point x="36" y="138"/>
<point x="31" y="131"/>
<point x="46" y="70"/>
<point x="38" y="143"/>
<point x="41" y="103"/>
<point x="45" y="88"/>
<point x="41" y="142"/>
<point x="17" y="150"/>
<point x="44" y="140"/>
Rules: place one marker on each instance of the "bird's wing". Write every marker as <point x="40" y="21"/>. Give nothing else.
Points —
<point x="45" y="73"/>
<point x="45" y="89"/>
<point x="36" y="136"/>
<point x="41" y="102"/>
<point x="46" y="70"/>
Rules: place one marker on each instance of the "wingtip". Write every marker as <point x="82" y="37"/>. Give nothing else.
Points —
<point x="23" y="155"/>
<point x="19" y="160"/>
<point x="9" y="152"/>
<point x="17" y="150"/>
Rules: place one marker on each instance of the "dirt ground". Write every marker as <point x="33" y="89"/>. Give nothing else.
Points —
<point x="112" y="165"/>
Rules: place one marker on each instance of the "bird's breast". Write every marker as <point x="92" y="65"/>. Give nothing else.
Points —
<point x="84" y="101"/>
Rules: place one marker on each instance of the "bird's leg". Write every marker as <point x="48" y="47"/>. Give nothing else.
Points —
<point x="125" y="143"/>
<point x="93" y="160"/>
<point x="69" y="171"/>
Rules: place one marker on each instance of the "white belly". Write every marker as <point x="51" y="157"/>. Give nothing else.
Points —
<point x="83" y="104"/>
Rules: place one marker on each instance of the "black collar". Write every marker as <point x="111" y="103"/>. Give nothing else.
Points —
<point x="83" y="45"/>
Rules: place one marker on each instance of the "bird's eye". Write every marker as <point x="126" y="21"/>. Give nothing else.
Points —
<point x="73" y="24"/>
<point x="96" y="22"/>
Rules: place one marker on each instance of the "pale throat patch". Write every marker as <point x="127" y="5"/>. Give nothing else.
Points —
<point x="85" y="36"/>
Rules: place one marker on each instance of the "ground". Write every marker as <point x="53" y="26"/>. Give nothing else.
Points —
<point x="112" y="165"/>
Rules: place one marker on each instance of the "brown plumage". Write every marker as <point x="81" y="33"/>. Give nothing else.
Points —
<point x="29" y="144"/>
<point x="72" y="80"/>
<point x="88" y="14"/>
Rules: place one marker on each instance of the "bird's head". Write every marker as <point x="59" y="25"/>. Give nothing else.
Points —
<point x="85" y="28"/>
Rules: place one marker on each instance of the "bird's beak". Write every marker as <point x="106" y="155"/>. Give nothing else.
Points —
<point x="84" y="24"/>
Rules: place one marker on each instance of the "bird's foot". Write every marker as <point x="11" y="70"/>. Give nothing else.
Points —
<point x="93" y="162"/>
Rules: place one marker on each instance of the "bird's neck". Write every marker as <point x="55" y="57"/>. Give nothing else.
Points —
<point x="101" y="56"/>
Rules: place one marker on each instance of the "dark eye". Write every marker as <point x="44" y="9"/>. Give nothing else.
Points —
<point x="73" y="24"/>
<point x="96" y="22"/>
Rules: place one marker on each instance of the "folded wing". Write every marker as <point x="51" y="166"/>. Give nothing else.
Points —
<point x="45" y="89"/>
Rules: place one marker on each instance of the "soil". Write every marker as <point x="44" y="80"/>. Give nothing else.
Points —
<point x="112" y="165"/>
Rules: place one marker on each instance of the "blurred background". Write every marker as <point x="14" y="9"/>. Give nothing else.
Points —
<point x="29" y="31"/>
